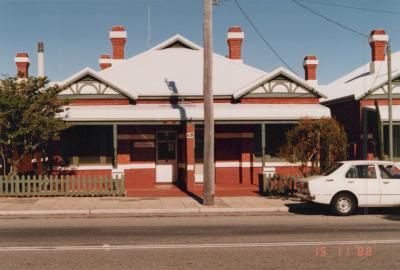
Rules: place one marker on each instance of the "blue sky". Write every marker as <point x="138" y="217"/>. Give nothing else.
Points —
<point x="75" y="32"/>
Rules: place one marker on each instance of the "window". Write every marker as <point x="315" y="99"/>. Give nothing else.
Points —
<point x="199" y="145"/>
<point x="389" y="172"/>
<point x="166" y="145"/>
<point x="396" y="140"/>
<point x="275" y="139"/>
<point x="331" y="169"/>
<point x="362" y="171"/>
<point x="88" y="145"/>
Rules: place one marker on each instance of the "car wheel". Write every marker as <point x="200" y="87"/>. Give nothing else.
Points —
<point x="343" y="204"/>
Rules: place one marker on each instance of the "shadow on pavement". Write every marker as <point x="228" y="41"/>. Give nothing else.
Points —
<point x="308" y="208"/>
<point x="390" y="213"/>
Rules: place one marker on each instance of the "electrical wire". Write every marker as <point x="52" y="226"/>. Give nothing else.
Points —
<point x="329" y="19"/>
<point x="262" y="37"/>
<point x="352" y="7"/>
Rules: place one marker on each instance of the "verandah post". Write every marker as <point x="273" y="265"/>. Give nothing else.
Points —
<point x="115" y="146"/>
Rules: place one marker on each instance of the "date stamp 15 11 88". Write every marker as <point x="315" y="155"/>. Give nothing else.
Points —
<point x="341" y="251"/>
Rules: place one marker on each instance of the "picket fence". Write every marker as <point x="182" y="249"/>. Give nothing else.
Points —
<point x="30" y="186"/>
<point x="278" y="185"/>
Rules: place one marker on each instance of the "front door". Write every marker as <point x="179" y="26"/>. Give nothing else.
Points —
<point x="166" y="167"/>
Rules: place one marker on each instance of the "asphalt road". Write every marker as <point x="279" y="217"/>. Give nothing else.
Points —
<point x="294" y="241"/>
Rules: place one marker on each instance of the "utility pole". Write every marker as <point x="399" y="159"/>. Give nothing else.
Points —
<point x="209" y="166"/>
<point x="389" y="68"/>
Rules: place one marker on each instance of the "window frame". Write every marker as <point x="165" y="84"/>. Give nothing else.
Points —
<point x="356" y="171"/>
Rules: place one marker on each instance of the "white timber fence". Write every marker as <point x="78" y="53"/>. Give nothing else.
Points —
<point x="33" y="186"/>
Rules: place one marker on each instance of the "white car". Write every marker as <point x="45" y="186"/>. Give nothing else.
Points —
<point x="347" y="185"/>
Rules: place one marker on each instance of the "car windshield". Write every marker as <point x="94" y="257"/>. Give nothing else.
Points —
<point x="331" y="169"/>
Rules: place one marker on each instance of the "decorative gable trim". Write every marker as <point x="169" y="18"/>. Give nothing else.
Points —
<point x="381" y="90"/>
<point x="88" y="82"/>
<point x="279" y="83"/>
<point x="177" y="40"/>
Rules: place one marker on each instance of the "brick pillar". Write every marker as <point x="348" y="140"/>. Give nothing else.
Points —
<point x="245" y="160"/>
<point x="190" y="158"/>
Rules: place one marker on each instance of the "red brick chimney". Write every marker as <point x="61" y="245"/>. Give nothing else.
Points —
<point x="118" y="39"/>
<point x="310" y="64"/>
<point x="105" y="61"/>
<point x="378" y="40"/>
<point x="22" y="61"/>
<point x="235" y="40"/>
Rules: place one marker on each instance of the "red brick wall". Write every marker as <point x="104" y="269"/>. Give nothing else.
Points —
<point x="288" y="171"/>
<point x="140" y="178"/>
<point x="99" y="102"/>
<point x="107" y="173"/>
<point x="266" y="100"/>
<point x="371" y="102"/>
<point x="227" y="176"/>
<point x="280" y="100"/>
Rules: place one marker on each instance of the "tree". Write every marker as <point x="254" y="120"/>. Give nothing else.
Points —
<point x="319" y="142"/>
<point x="28" y="119"/>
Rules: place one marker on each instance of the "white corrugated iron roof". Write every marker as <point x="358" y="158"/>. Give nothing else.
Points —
<point x="361" y="80"/>
<point x="222" y="111"/>
<point x="163" y="71"/>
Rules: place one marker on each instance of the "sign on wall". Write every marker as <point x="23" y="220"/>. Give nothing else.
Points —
<point x="144" y="144"/>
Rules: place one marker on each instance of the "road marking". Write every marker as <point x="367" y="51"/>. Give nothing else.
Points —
<point x="107" y="247"/>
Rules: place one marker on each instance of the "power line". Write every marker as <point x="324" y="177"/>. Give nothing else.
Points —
<point x="353" y="7"/>
<point x="329" y="19"/>
<point x="262" y="37"/>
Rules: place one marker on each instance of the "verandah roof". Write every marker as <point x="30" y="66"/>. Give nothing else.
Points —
<point x="384" y="112"/>
<point x="167" y="112"/>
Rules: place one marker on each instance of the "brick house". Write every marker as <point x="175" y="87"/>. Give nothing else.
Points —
<point x="142" y="117"/>
<point x="351" y="99"/>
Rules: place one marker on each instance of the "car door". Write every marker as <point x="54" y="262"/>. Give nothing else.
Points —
<point x="362" y="180"/>
<point x="390" y="190"/>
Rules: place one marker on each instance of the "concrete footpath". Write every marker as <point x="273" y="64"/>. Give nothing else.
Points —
<point x="131" y="206"/>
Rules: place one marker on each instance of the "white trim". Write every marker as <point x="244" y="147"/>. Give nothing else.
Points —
<point x="231" y="164"/>
<point x="190" y="167"/>
<point x="85" y="167"/>
<point x="105" y="61"/>
<point x="237" y="60"/>
<point x="284" y="164"/>
<point x="378" y="38"/>
<point x="198" y="178"/>
<point x="118" y="34"/>
<point x="235" y="35"/>
<point x="174" y="39"/>
<point x="310" y="62"/>
<point x="136" y="136"/>
<point x="117" y="61"/>
<point x="137" y="166"/>
<point x="22" y="60"/>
